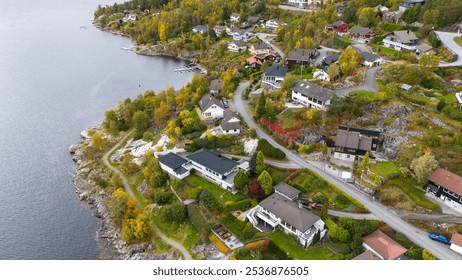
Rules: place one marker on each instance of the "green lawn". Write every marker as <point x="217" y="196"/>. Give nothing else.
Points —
<point x="278" y="175"/>
<point x="196" y="181"/>
<point x="345" y="39"/>
<point x="448" y="98"/>
<point x="407" y="185"/>
<point x="294" y="250"/>
<point x="290" y="119"/>
<point x="458" y="40"/>
<point x="384" y="169"/>
<point x="389" y="52"/>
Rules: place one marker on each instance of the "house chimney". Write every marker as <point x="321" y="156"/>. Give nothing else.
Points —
<point x="300" y="206"/>
<point x="408" y="31"/>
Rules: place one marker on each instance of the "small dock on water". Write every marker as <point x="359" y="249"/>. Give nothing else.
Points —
<point x="190" y="68"/>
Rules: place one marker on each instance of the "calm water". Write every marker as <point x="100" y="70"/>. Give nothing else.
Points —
<point x="56" y="79"/>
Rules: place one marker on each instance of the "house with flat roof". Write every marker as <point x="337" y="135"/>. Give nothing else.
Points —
<point x="447" y="186"/>
<point x="354" y="142"/>
<point x="362" y="34"/>
<point x="383" y="246"/>
<point x="282" y="210"/>
<point x="209" y="164"/>
<point x="456" y="243"/>
<point x="231" y="124"/>
<point x="273" y="77"/>
<point x="311" y="95"/>
<point x="211" y="108"/>
<point x="301" y="57"/>
<point x="401" y="40"/>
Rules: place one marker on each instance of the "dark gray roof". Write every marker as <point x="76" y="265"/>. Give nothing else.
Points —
<point x="260" y="46"/>
<point x="238" y="30"/>
<point x="213" y="160"/>
<point x="353" y="140"/>
<point x="405" y="36"/>
<point x="370" y="57"/>
<point x="424" y="48"/>
<point x="203" y="28"/>
<point x="253" y="20"/>
<point x="331" y="58"/>
<point x="240" y="43"/>
<point x="215" y="84"/>
<point x="301" y="55"/>
<point x="226" y="124"/>
<point x="276" y="71"/>
<point x="207" y="101"/>
<point x="338" y="23"/>
<point x="313" y="90"/>
<point x="173" y="161"/>
<point x="287" y="190"/>
<point x="290" y="212"/>
<point x="362" y="31"/>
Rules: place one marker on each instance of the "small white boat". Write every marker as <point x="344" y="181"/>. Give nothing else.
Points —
<point x="126" y="48"/>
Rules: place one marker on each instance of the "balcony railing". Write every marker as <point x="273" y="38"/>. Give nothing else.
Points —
<point x="403" y="46"/>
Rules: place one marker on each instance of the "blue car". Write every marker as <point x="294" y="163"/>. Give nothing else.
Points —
<point x="440" y="238"/>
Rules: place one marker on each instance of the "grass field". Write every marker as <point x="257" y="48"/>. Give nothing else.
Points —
<point x="290" y="245"/>
<point x="384" y="169"/>
<point x="290" y="119"/>
<point x="407" y="185"/>
<point x="278" y="175"/>
<point x="196" y="181"/>
<point x="389" y="52"/>
<point x="458" y="40"/>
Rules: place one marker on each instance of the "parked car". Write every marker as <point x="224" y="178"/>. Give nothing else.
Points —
<point x="225" y="102"/>
<point x="440" y="238"/>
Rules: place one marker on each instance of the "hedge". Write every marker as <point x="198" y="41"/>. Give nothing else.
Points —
<point x="268" y="150"/>
<point x="239" y="228"/>
<point x="202" y="225"/>
<point x="210" y="202"/>
<point x="239" y="205"/>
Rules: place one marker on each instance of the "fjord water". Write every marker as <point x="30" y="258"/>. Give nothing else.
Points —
<point x="57" y="79"/>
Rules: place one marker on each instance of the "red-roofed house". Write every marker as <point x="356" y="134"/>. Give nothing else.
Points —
<point x="456" y="243"/>
<point x="367" y="256"/>
<point x="446" y="186"/>
<point x="339" y="27"/>
<point x="383" y="246"/>
<point x="254" y="62"/>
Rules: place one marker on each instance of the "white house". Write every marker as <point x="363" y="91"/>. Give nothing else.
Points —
<point x="239" y="34"/>
<point x="383" y="246"/>
<point x="230" y="124"/>
<point x="207" y="163"/>
<point x="174" y="165"/>
<point x="237" y="46"/>
<point x="129" y="17"/>
<point x="259" y="48"/>
<point x="202" y="29"/>
<point x="456" y="243"/>
<point x="311" y="95"/>
<point x="211" y="108"/>
<point x="218" y="30"/>
<point x="321" y="75"/>
<point x="371" y="59"/>
<point x="216" y="168"/>
<point x="273" y="77"/>
<point x="234" y="17"/>
<point x="281" y="209"/>
<point x="401" y="40"/>
<point x="274" y="24"/>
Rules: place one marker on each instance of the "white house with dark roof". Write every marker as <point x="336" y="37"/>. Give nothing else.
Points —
<point x="321" y="75"/>
<point x="211" y="108"/>
<point x="237" y="46"/>
<point x="369" y="59"/>
<point x="273" y="77"/>
<point x="362" y="34"/>
<point x="311" y="95"/>
<point x="234" y="17"/>
<point x="202" y="29"/>
<point x="173" y="164"/>
<point x="259" y="48"/>
<point x="216" y="168"/>
<point x="423" y="48"/>
<point x="218" y="30"/>
<point x="401" y="40"/>
<point x="230" y="124"/>
<point x="207" y="163"/>
<point x="273" y="24"/>
<point x="240" y="34"/>
<point x="282" y="210"/>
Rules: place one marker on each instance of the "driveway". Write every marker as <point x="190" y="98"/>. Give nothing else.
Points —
<point x="381" y="212"/>
<point x="368" y="84"/>
<point x="264" y="36"/>
<point x="447" y="38"/>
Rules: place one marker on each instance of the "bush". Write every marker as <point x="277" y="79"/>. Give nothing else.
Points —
<point x="305" y="149"/>
<point x="162" y="197"/>
<point x="148" y="136"/>
<point x="433" y="83"/>
<point x="239" y="205"/>
<point x="341" y="201"/>
<point x="202" y="225"/>
<point x="268" y="150"/>
<point x="175" y="212"/>
<point x="219" y="244"/>
<point x="433" y="39"/>
<point x="239" y="228"/>
<point x="210" y="202"/>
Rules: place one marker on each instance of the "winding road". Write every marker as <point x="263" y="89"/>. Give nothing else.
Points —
<point x="175" y="244"/>
<point x="417" y="236"/>
<point x="447" y="38"/>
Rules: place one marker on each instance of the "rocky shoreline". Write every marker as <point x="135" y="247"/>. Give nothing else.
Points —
<point x="108" y="236"/>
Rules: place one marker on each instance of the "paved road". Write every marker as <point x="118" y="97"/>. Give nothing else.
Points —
<point x="297" y="9"/>
<point x="263" y="37"/>
<point x="168" y="240"/>
<point x="447" y="38"/>
<point x="272" y="162"/>
<point x="356" y="216"/>
<point x="381" y="212"/>
<point x="368" y="85"/>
